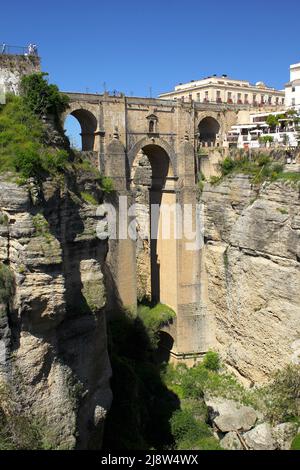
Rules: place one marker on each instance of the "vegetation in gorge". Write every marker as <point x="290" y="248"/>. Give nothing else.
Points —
<point x="24" y="148"/>
<point x="6" y="284"/>
<point x="155" y="318"/>
<point x="260" y="168"/>
<point x="19" y="430"/>
<point x="143" y="405"/>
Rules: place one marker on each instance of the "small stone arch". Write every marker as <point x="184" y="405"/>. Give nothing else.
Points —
<point x="209" y="129"/>
<point x="88" y="123"/>
<point x="153" y="142"/>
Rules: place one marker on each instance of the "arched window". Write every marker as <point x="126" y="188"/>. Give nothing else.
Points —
<point x="151" y="126"/>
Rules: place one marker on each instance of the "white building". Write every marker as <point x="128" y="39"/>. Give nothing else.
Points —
<point x="223" y="89"/>
<point x="292" y="89"/>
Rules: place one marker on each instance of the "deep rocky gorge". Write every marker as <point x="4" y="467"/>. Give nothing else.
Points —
<point x="54" y="353"/>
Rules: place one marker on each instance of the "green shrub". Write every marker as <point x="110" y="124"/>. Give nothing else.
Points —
<point x="21" y="143"/>
<point x="154" y="319"/>
<point x="211" y="361"/>
<point x="107" y="184"/>
<point x="227" y="166"/>
<point x="282" y="396"/>
<point x="296" y="443"/>
<point x="191" y="434"/>
<point x="42" y="98"/>
<point x="6" y="284"/>
<point x="89" y="198"/>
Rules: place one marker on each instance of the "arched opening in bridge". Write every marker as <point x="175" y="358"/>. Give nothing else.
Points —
<point x="80" y="127"/>
<point x="153" y="185"/>
<point x="208" y="130"/>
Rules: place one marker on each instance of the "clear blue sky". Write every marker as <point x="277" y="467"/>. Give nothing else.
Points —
<point x="132" y="45"/>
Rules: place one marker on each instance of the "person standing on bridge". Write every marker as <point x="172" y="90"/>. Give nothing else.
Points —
<point x="3" y="48"/>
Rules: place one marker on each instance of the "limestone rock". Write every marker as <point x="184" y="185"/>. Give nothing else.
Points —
<point x="229" y="415"/>
<point x="260" y="438"/>
<point x="252" y="273"/>
<point x="284" y="434"/>
<point x="231" y="442"/>
<point x="54" y="345"/>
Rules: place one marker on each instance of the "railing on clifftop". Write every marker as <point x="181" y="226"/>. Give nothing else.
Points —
<point x="6" y="49"/>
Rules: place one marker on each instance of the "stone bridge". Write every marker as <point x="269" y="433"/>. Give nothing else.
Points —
<point x="149" y="148"/>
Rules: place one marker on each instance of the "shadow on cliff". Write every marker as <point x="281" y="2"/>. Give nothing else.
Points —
<point x="142" y="405"/>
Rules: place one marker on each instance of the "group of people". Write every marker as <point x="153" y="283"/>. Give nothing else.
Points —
<point x="30" y="50"/>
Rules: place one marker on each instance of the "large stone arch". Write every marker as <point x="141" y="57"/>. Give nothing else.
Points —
<point x="145" y="142"/>
<point x="88" y="123"/>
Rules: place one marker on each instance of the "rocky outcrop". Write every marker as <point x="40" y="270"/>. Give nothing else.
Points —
<point x="252" y="274"/>
<point x="53" y="338"/>
<point x="260" y="438"/>
<point x="228" y="415"/>
<point x="13" y="68"/>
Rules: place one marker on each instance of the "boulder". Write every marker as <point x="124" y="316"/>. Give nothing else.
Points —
<point x="231" y="442"/>
<point x="229" y="415"/>
<point x="283" y="434"/>
<point x="260" y="438"/>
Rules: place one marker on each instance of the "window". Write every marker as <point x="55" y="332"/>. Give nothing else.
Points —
<point x="246" y="98"/>
<point x="198" y="96"/>
<point x="151" y="126"/>
<point x="293" y="101"/>
<point x="254" y="99"/>
<point x="270" y="100"/>
<point x="206" y="97"/>
<point x="293" y="88"/>
<point x="219" y="96"/>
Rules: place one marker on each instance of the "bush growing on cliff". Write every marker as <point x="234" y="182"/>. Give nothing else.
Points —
<point x="261" y="168"/>
<point x="6" y="284"/>
<point x="41" y="97"/>
<point x="211" y="361"/>
<point x="282" y="396"/>
<point x="21" y="142"/>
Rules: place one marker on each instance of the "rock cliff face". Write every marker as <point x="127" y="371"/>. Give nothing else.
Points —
<point x="252" y="274"/>
<point x="53" y="336"/>
<point x="13" y="68"/>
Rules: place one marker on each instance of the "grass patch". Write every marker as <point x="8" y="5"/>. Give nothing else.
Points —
<point x="89" y="198"/>
<point x="296" y="443"/>
<point x="155" y="318"/>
